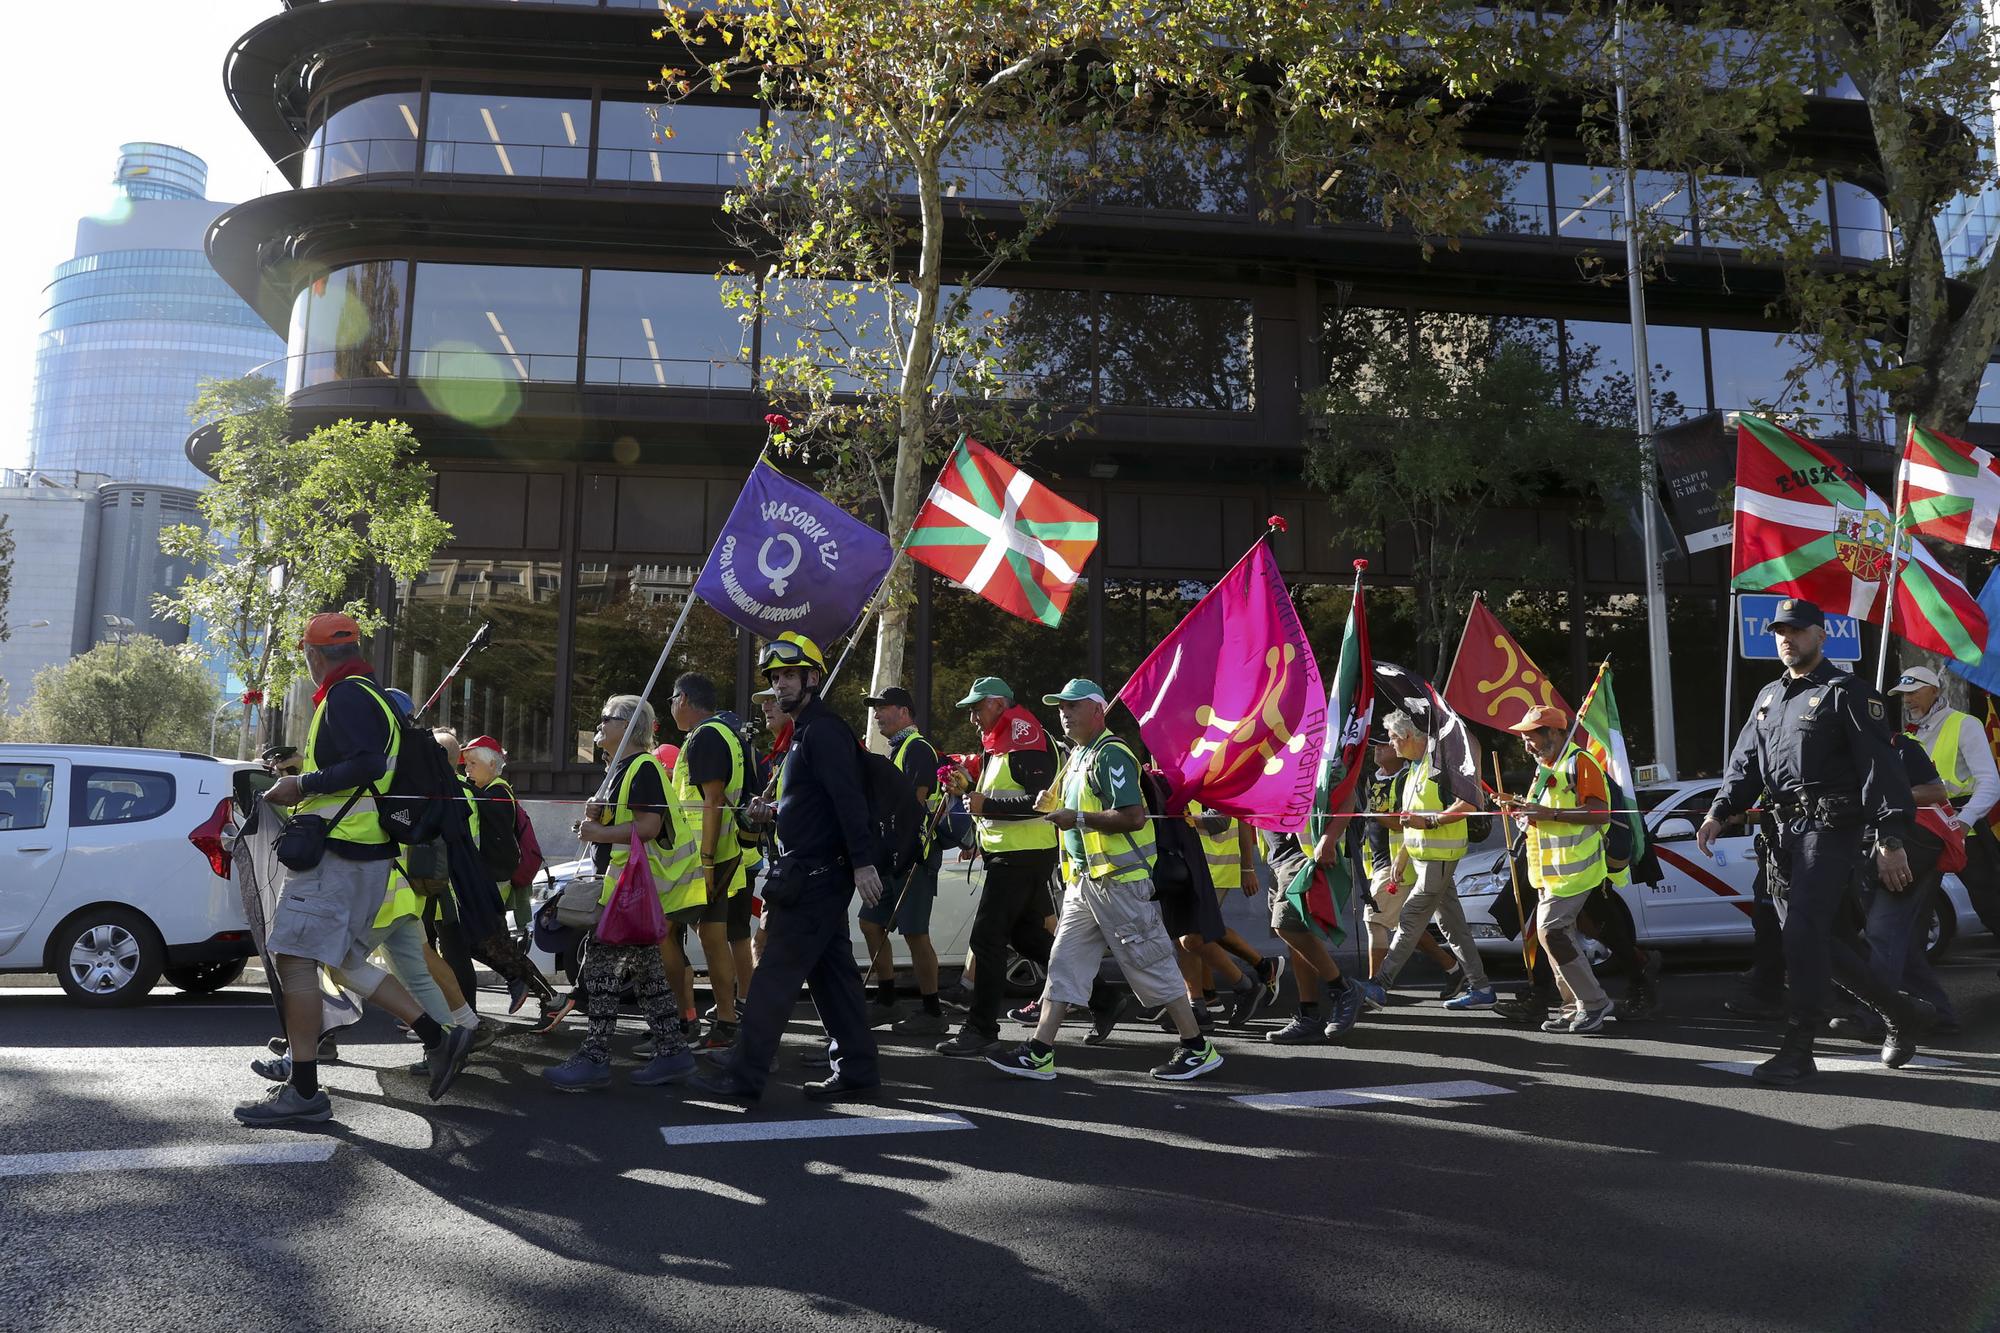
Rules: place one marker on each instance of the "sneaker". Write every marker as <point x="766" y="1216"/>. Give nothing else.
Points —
<point x="1301" y="1031"/>
<point x="484" y="1034"/>
<point x="1374" y="996"/>
<point x="447" y="1059"/>
<point x="580" y="1073"/>
<point x="1640" y="1002"/>
<point x="967" y="1042"/>
<point x="1022" y="1062"/>
<point x="719" y="1037"/>
<point x="1268" y="973"/>
<point x="283" y="1105"/>
<point x="690" y="1027"/>
<point x="517" y="994"/>
<point x="922" y="1023"/>
<point x="1107" y="1018"/>
<point x="554" y="1014"/>
<point x="419" y="1067"/>
<point x="710" y="1014"/>
<point x="1755" y="1008"/>
<point x="957" y="996"/>
<point x="278" y="1069"/>
<point x="1474" y="998"/>
<point x="1029" y="1013"/>
<point x="1244" y="1003"/>
<point x="879" y="1013"/>
<point x="1189" y="1062"/>
<point x="1345" y="1010"/>
<point x="664" y="1069"/>
<point x="1454" y="982"/>
<point x="645" y="1048"/>
<point x="1527" y="1007"/>
<point x="1590" y="1020"/>
<point x="1559" y="1021"/>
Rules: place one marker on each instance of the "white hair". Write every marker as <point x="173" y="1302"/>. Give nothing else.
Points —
<point x="449" y="740"/>
<point x="487" y="754"/>
<point x="639" y="717"/>
<point x="1400" y="723"/>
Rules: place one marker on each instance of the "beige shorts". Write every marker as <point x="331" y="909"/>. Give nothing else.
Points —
<point x="327" y="913"/>
<point x="1119" y="915"/>
<point x="1387" y="910"/>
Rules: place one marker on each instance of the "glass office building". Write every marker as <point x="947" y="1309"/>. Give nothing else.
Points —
<point x="134" y="323"/>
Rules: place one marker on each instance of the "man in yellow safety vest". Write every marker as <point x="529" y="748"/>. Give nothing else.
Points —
<point x="1957" y="745"/>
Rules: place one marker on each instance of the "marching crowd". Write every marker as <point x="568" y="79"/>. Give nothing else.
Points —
<point x="1084" y="854"/>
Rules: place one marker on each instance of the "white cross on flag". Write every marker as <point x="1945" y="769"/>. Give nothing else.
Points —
<point x="1951" y="490"/>
<point x="996" y="530"/>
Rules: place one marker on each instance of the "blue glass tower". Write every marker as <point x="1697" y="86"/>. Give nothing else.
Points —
<point x="134" y="323"/>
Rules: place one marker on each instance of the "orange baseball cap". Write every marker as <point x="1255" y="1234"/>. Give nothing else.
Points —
<point x="329" y="628"/>
<point x="1545" y="715"/>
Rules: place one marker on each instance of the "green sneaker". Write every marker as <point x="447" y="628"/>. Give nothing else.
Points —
<point x="1190" y="1062"/>
<point x="1022" y="1062"/>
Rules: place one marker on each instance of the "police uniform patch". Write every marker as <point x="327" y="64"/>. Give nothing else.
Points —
<point x="1875" y="710"/>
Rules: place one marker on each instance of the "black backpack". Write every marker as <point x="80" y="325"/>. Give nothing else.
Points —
<point x="423" y="792"/>
<point x="499" y="846"/>
<point x="894" y="811"/>
<point x="1180" y="862"/>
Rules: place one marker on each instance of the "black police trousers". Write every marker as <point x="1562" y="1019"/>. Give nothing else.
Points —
<point x="806" y="942"/>
<point x="1817" y="869"/>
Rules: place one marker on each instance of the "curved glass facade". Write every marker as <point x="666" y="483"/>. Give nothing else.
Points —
<point x="133" y="326"/>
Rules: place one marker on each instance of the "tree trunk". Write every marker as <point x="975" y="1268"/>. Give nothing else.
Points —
<point x="897" y="601"/>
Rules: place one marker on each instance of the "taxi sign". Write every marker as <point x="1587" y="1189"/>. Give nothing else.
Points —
<point x="1754" y="613"/>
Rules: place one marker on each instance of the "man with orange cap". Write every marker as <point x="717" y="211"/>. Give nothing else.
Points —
<point x="337" y="856"/>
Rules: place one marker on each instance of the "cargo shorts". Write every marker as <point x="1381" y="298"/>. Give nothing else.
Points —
<point x="1119" y="915"/>
<point x="327" y="913"/>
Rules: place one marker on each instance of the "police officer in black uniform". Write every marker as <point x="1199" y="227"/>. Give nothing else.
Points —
<point x="1817" y="745"/>
<point x="827" y="852"/>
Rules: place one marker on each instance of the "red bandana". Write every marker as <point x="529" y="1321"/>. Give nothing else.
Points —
<point x="357" y="667"/>
<point x="1015" y="729"/>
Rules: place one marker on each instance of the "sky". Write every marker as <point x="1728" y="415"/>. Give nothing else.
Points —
<point x="76" y="81"/>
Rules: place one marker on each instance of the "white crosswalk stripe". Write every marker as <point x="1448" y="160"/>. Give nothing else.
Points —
<point x="1407" y="1093"/>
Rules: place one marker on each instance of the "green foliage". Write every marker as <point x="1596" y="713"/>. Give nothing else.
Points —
<point x="893" y="115"/>
<point x="1725" y="94"/>
<point x="1425" y="432"/>
<point x="292" y="526"/>
<point x="139" y="693"/>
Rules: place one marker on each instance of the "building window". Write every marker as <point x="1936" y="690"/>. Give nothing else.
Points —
<point x="1522" y="208"/>
<point x="706" y="147"/>
<point x="1150" y="173"/>
<point x="507" y="692"/>
<point x="623" y="615"/>
<point x="488" y="321"/>
<point x="661" y="329"/>
<point x="1048" y="334"/>
<point x="1174" y="351"/>
<point x="347" y="325"/>
<point x="376" y="133"/>
<point x="1590" y="203"/>
<point x="1599" y="372"/>
<point x="970" y="637"/>
<point x="1750" y="371"/>
<point x="490" y="134"/>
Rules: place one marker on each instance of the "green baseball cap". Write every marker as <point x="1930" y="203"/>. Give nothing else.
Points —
<point x="1076" y="692"/>
<point x="986" y="687"/>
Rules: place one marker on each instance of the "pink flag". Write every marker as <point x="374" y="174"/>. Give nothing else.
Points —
<point x="1230" y="703"/>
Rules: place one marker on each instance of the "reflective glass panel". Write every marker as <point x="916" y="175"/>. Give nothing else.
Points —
<point x="348" y="325"/>
<point x="706" y="147"/>
<point x="508" y="691"/>
<point x="1175" y="351"/>
<point x="623" y="615"/>
<point x="487" y="321"/>
<point x="376" y="133"/>
<point x="1599" y="371"/>
<point x="664" y="329"/>
<point x="492" y="134"/>
<point x="1750" y="370"/>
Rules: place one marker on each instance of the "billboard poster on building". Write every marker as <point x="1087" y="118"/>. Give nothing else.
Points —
<point x="1697" y="469"/>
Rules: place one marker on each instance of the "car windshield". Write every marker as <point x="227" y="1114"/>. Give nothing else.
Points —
<point x="1654" y="799"/>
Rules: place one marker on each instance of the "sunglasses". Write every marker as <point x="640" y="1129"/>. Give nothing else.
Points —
<point x="613" y="717"/>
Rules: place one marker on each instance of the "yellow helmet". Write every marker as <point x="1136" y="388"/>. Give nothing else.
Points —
<point x="791" y="649"/>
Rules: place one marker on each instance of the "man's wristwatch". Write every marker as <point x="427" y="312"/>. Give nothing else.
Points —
<point x="1888" y="844"/>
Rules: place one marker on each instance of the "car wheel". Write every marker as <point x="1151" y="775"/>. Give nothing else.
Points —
<point x="106" y="956"/>
<point x="206" y="978"/>
<point x="1025" y="977"/>
<point x="1941" y="928"/>
<point x="1985" y="900"/>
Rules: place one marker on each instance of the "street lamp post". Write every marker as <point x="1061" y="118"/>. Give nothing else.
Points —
<point x="119" y="630"/>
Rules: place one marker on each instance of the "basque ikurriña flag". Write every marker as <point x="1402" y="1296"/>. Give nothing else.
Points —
<point x="1808" y="526"/>
<point x="791" y="559"/>
<point x="992" y="528"/>
<point x="1951" y="490"/>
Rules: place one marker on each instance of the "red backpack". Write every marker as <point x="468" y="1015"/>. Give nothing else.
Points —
<point x="531" y="849"/>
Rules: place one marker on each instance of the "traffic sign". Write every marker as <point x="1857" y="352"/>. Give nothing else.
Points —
<point x="1753" y="628"/>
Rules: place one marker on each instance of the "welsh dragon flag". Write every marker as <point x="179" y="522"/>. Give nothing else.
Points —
<point x="1325" y="895"/>
<point x="1806" y="525"/>
<point x="996" y="530"/>
<point x="1951" y="490"/>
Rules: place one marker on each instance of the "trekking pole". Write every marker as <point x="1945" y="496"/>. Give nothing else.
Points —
<point x="480" y="638"/>
<point x="1514" y="876"/>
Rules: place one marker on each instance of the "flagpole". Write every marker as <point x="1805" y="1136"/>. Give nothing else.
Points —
<point x="1896" y="539"/>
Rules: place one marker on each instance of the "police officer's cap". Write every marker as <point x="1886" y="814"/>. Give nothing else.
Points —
<point x="1798" y="613"/>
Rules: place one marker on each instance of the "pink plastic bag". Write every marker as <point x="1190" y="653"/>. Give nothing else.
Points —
<point x="633" y="917"/>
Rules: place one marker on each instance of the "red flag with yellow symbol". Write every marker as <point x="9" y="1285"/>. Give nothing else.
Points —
<point x="1493" y="682"/>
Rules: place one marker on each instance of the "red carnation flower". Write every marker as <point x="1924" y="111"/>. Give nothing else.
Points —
<point x="778" y="422"/>
<point x="1276" y="523"/>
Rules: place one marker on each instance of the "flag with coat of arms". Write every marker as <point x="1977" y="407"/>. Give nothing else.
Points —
<point x="1806" y="525"/>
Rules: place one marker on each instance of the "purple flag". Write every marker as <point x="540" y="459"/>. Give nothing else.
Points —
<point x="791" y="559"/>
<point x="1231" y="704"/>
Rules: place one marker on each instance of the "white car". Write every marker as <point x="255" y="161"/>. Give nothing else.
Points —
<point x="114" y="871"/>
<point x="1698" y="902"/>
